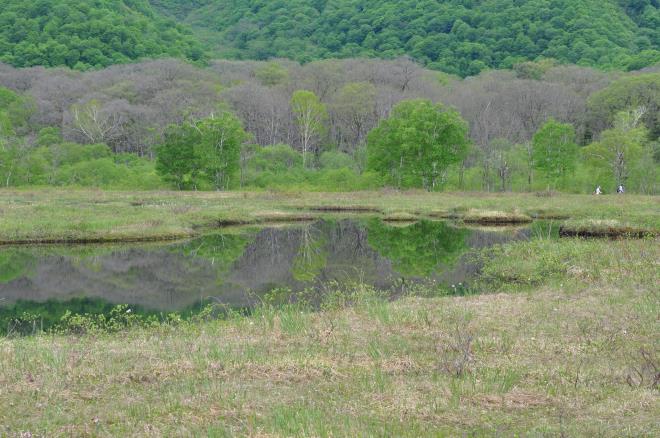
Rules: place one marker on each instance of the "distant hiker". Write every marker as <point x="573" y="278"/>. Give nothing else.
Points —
<point x="620" y="189"/>
<point x="598" y="191"/>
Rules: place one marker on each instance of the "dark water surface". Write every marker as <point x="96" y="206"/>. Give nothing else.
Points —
<point x="237" y="266"/>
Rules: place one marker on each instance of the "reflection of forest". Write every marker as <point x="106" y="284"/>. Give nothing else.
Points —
<point x="235" y="268"/>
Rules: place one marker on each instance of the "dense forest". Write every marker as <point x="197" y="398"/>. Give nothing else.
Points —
<point x="330" y="125"/>
<point x="89" y="34"/>
<point x="493" y="95"/>
<point x="457" y="37"/>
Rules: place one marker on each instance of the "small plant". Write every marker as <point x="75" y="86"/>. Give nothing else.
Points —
<point x="24" y="325"/>
<point x="646" y="372"/>
<point x="121" y="317"/>
<point x="456" y="355"/>
<point x="460" y="289"/>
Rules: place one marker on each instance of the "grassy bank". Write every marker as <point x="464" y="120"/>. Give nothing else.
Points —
<point x="561" y="340"/>
<point x="50" y="215"/>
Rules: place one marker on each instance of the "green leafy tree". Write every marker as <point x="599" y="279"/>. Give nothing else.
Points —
<point x="206" y="151"/>
<point x="272" y="74"/>
<point x="620" y="149"/>
<point x="177" y="158"/>
<point x="219" y="148"/>
<point x="311" y="116"/>
<point x="15" y="111"/>
<point x="554" y="150"/>
<point x="417" y="143"/>
<point x="629" y="92"/>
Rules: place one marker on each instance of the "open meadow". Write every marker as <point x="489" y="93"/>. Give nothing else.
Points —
<point x="556" y="336"/>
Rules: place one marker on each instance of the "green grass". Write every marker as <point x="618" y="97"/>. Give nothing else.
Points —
<point x="559" y="341"/>
<point x="93" y="215"/>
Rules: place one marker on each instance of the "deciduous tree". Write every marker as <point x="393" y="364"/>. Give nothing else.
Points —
<point x="555" y="151"/>
<point x="417" y="143"/>
<point x="311" y="116"/>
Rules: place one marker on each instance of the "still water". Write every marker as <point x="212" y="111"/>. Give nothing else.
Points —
<point x="238" y="266"/>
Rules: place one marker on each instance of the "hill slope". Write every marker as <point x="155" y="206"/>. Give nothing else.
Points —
<point x="457" y="36"/>
<point x="84" y="34"/>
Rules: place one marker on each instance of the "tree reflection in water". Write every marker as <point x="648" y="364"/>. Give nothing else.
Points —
<point x="238" y="266"/>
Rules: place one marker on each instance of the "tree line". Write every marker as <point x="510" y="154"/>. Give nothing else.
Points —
<point x="329" y="125"/>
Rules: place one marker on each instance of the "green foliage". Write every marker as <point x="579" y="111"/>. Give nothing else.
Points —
<point x="555" y="151"/>
<point x="223" y="250"/>
<point x="533" y="70"/>
<point x="623" y="152"/>
<point x="272" y="74"/>
<point x="203" y="152"/>
<point x="89" y="34"/>
<point x="417" y="143"/>
<point x="452" y="35"/>
<point x="418" y="249"/>
<point x="280" y="167"/>
<point x="337" y="160"/>
<point x="61" y="163"/>
<point x="15" y="111"/>
<point x="15" y="264"/>
<point x="627" y="93"/>
<point x="458" y="37"/>
<point x="310" y="116"/>
<point x="276" y="158"/>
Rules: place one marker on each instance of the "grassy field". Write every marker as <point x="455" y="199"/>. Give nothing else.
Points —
<point x="86" y="215"/>
<point x="560" y="338"/>
<point x="564" y="343"/>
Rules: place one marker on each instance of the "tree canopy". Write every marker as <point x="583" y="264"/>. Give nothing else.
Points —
<point x="417" y="143"/>
<point x="457" y="36"/>
<point x="555" y="151"/>
<point x="204" y="152"/>
<point x="89" y="34"/>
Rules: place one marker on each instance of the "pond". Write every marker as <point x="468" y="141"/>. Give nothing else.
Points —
<point x="238" y="266"/>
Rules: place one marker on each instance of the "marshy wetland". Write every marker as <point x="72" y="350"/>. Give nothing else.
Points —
<point x="266" y="314"/>
<point x="240" y="267"/>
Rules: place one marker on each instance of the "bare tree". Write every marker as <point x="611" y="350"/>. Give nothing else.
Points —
<point x="94" y="122"/>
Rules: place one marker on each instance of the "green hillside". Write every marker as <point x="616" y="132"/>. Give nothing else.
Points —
<point x="456" y="36"/>
<point x="90" y="33"/>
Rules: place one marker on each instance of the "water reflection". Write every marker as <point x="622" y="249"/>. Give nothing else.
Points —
<point x="239" y="266"/>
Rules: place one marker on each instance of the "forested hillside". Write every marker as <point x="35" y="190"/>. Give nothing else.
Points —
<point x="88" y="34"/>
<point x="456" y="36"/>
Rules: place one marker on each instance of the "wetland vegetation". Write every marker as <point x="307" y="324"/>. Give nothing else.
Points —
<point x="556" y="336"/>
<point x="398" y="328"/>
